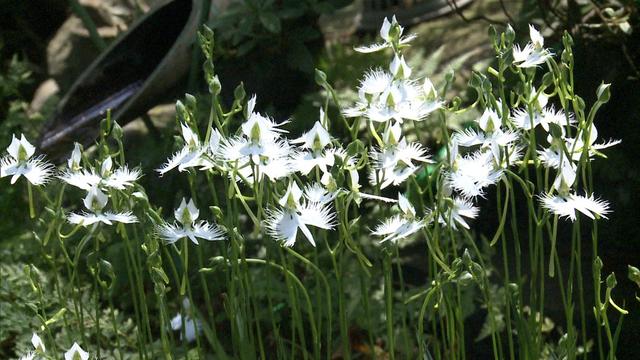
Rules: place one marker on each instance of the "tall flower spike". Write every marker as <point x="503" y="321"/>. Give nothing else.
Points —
<point x="20" y="162"/>
<point x="188" y="226"/>
<point x="76" y="353"/>
<point x="95" y="202"/>
<point x="297" y="214"/>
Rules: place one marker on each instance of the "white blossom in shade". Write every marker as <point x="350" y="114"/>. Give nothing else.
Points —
<point x="76" y="353"/>
<point x="28" y="356"/>
<point x="258" y="151"/>
<point x="381" y="99"/>
<point x="187" y="157"/>
<point x="73" y="163"/>
<point x="547" y="116"/>
<point x="558" y="150"/>
<point x="20" y="162"/>
<point x="456" y="214"/>
<point x="534" y="53"/>
<point x="566" y="176"/>
<point x="95" y="201"/>
<point x="317" y="194"/>
<point x="296" y="213"/>
<point x="314" y="152"/>
<point x="399" y="226"/>
<point x="188" y="226"/>
<point x="191" y="327"/>
<point x="315" y="139"/>
<point x="399" y="68"/>
<point x="388" y="31"/>
<point x="492" y="138"/>
<point x="37" y="343"/>
<point x="396" y="161"/>
<point x="209" y="158"/>
<point x="565" y="206"/>
<point x="471" y="174"/>
<point x="120" y="178"/>
<point x="250" y="159"/>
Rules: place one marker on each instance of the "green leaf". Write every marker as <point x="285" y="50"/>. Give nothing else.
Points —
<point x="271" y="22"/>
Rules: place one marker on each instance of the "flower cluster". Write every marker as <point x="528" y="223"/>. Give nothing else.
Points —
<point x="40" y="351"/>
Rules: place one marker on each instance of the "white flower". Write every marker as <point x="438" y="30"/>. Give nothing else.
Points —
<point x="119" y="179"/>
<point x="493" y="138"/>
<point x="187" y="226"/>
<point x="394" y="163"/>
<point x="533" y="54"/>
<point x="315" y="139"/>
<point x="399" y="226"/>
<point x="37" y="343"/>
<point x="20" y="162"/>
<point x="399" y="68"/>
<point x="28" y="356"/>
<point x="461" y="209"/>
<point x="191" y="327"/>
<point x="472" y="173"/>
<point x="76" y="353"/>
<point x="566" y="205"/>
<point x="388" y="31"/>
<point x="283" y="224"/>
<point x="270" y="158"/>
<point x="317" y="194"/>
<point x="381" y="99"/>
<point x="187" y="157"/>
<point x="73" y="163"/>
<point x="95" y="201"/>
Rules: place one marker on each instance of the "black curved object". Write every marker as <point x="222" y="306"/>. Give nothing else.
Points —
<point x="129" y="78"/>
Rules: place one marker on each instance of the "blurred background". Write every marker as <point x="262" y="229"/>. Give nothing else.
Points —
<point x="273" y="46"/>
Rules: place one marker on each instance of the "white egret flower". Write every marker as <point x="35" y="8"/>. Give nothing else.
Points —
<point x="20" y="162"/>
<point x="565" y="206"/>
<point x="493" y="138"/>
<point x="534" y="53"/>
<point x="187" y="226"/>
<point x="37" y="343"/>
<point x="120" y="178"/>
<point x="314" y="151"/>
<point x="191" y="327"/>
<point x="389" y="31"/>
<point x="297" y="214"/>
<point x="472" y="173"/>
<point x="461" y="209"/>
<point x="76" y="353"/>
<point x="73" y="163"/>
<point x="28" y="356"/>
<point x="399" y="226"/>
<point x="394" y="163"/>
<point x="399" y="68"/>
<point x="187" y="157"/>
<point x="270" y="158"/>
<point x="559" y="148"/>
<point x="95" y="201"/>
<point x="381" y="99"/>
<point x="547" y="116"/>
<point x="317" y="194"/>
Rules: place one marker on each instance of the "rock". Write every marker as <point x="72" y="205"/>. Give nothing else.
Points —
<point x="44" y="92"/>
